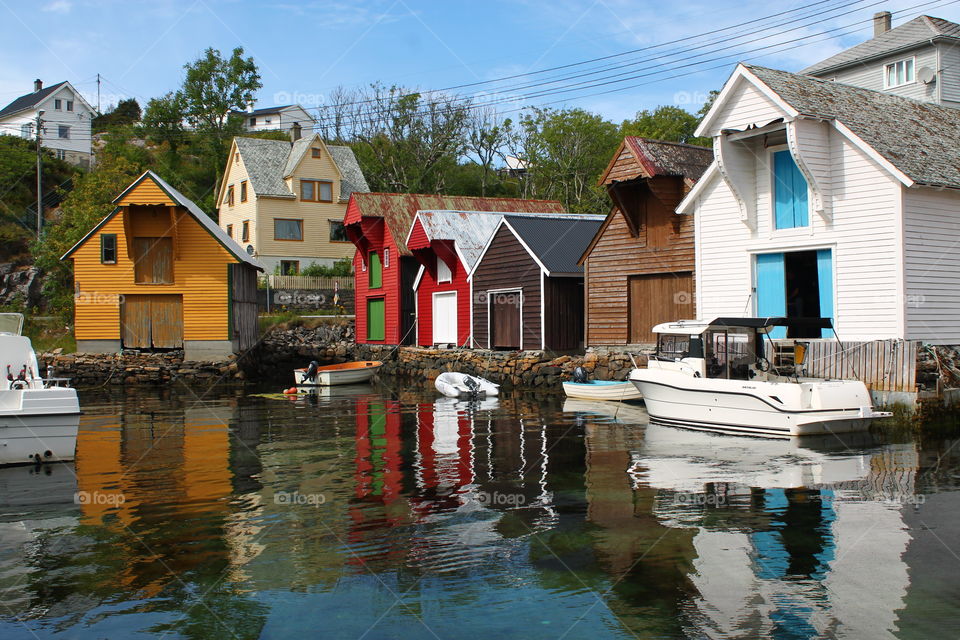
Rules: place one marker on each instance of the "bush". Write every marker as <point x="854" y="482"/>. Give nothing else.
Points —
<point x="342" y="267"/>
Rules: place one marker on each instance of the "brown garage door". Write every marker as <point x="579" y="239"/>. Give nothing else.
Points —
<point x="505" y="319"/>
<point x="657" y="298"/>
<point x="152" y="321"/>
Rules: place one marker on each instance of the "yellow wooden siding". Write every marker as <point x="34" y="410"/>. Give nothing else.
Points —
<point x="147" y="192"/>
<point x="200" y="275"/>
<point x="240" y="211"/>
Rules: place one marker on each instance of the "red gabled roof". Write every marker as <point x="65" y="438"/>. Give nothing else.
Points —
<point x="399" y="209"/>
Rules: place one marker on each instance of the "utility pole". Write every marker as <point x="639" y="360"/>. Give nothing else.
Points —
<point x="39" y="174"/>
<point x="98" y="93"/>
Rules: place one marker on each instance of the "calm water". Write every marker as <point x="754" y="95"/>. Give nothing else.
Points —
<point x="378" y="514"/>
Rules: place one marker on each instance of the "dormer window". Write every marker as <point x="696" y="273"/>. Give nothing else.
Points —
<point x="899" y="73"/>
<point x="58" y="104"/>
<point x="314" y="152"/>
<point x="69" y="105"/>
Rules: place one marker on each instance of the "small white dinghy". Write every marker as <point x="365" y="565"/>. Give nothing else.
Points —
<point x="461" y="385"/>
<point x="602" y="390"/>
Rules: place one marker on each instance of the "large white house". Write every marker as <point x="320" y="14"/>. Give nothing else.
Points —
<point x="280" y="118"/>
<point x="918" y="59"/>
<point x="65" y="122"/>
<point x="832" y="200"/>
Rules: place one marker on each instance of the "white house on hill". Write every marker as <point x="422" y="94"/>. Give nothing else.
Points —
<point x="66" y="120"/>
<point x="832" y="200"/>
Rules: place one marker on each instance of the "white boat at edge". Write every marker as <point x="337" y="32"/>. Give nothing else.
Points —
<point x="712" y="376"/>
<point x="602" y="390"/>
<point x="39" y="419"/>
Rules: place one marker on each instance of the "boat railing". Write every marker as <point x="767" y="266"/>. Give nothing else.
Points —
<point x="53" y="383"/>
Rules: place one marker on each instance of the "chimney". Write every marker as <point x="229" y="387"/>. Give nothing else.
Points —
<point x="37" y="85"/>
<point x="881" y="23"/>
<point x="295" y="131"/>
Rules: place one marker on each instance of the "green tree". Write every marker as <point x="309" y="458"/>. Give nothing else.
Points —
<point x="127" y="112"/>
<point x="666" y="122"/>
<point x="163" y="120"/>
<point x="565" y="152"/>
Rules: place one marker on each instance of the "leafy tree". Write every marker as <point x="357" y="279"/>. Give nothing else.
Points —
<point x="342" y="267"/>
<point x="163" y="120"/>
<point x="566" y="151"/>
<point x="215" y="87"/>
<point x="127" y="112"/>
<point x="666" y="122"/>
<point x="88" y="203"/>
<point x="711" y="98"/>
<point x="486" y="136"/>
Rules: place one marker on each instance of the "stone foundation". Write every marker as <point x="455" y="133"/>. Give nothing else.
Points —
<point x="92" y="370"/>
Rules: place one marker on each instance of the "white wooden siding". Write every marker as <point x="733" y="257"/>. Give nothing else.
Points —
<point x="869" y="75"/>
<point x="863" y="235"/>
<point x="949" y="78"/>
<point x="932" y="265"/>
<point x="745" y="106"/>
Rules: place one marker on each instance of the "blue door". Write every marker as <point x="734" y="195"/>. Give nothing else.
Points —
<point x="825" y="283"/>
<point x="772" y="289"/>
<point x="789" y="192"/>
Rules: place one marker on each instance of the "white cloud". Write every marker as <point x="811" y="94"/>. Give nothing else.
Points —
<point x="58" y="6"/>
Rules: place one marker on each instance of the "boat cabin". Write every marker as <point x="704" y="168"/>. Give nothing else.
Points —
<point x="730" y="348"/>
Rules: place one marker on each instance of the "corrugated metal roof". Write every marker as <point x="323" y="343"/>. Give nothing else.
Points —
<point x="399" y="209"/>
<point x="921" y="139"/>
<point x="470" y="230"/>
<point x="29" y="100"/>
<point x="914" y="33"/>
<point x="557" y="242"/>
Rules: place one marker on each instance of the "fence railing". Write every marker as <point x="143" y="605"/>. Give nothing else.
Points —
<point x="883" y="365"/>
<point x="306" y="282"/>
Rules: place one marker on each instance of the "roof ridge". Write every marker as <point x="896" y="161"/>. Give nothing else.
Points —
<point x="447" y="195"/>
<point x="670" y="142"/>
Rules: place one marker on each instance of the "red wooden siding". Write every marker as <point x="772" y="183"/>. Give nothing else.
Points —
<point x="428" y="286"/>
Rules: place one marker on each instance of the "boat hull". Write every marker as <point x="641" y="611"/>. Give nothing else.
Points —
<point x="602" y="390"/>
<point x="751" y="408"/>
<point x="38" y="438"/>
<point x="338" y="374"/>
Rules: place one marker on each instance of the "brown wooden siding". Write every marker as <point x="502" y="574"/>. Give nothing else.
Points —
<point x="563" y="313"/>
<point x="507" y="265"/>
<point x="617" y="255"/>
<point x="243" y="312"/>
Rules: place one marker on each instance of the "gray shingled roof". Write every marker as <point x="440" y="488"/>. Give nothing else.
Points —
<point x="268" y="162"/>
<point x="914" y="33"/>
<point x="557" y="242"/>
<point x="29" y="100"/>
<point x="660" y="157"/>
<point x="921" y="139"/>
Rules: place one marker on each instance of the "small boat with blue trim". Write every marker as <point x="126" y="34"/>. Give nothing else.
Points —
<point x="602" y="390"/>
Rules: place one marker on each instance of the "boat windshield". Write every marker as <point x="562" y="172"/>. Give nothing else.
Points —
<point x="730" y="352"/>
<point x="11" y="323"/>
<point x="676" y="347"/>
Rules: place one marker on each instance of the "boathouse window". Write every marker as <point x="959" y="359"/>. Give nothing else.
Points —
<point x="443" y="271"/>
<point x="108" y="248"/>
<point x="243" y="191"/>
<point x="789" y="192"/>
<point x="245" y="231"/>
<point x="375" y="272"/>
<point x="287" y="229"/>
<point x="230" y="195"/>
<point x="316" y="191"/>
<point x="338" y="232"/>
<point x="153" y="260"/>
<point x="899" y="73"/>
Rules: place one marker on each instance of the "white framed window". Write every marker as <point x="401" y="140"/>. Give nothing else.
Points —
<point x="69" y="105"/>
<point x="26" y="130"/>
<point x="61" y="154"/>
<point x="899" y="73"/>
<point x="443" y="272"/>
<point x="386" y="258"/>
<point x="63" y="132"/>
<point x="58" y="104"/>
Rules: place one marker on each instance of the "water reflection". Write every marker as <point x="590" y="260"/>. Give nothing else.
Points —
<point x="397" y="514"/>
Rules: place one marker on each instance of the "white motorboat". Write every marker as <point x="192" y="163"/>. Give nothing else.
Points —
<point x="461" y="385"/>
<point x="712" y="375"/>
<point x="335" y="374"/>
<point x="39" y="418"/>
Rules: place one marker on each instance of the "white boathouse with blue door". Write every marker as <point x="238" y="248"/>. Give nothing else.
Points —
<point x="829" y="200"/>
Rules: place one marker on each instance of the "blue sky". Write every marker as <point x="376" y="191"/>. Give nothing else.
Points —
<point x="306" y="49"/>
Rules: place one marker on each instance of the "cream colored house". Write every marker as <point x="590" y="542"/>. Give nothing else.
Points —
<point x="284" y="202"/>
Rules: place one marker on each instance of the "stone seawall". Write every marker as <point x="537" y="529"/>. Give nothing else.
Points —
<point x="92" y="370"/>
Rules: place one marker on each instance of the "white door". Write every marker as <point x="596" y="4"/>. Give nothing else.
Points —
<point x="445" y="318"/>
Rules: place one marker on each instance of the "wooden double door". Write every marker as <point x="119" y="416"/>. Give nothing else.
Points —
<point x="505" y="321"/>
<point x="152" y="321"/>
<point x="656" y="298"/>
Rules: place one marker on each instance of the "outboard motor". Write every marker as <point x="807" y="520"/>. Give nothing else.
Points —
<point x="580" y="375"/>
<point x="472" y="385"/>
<point x="311" y="372"/>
